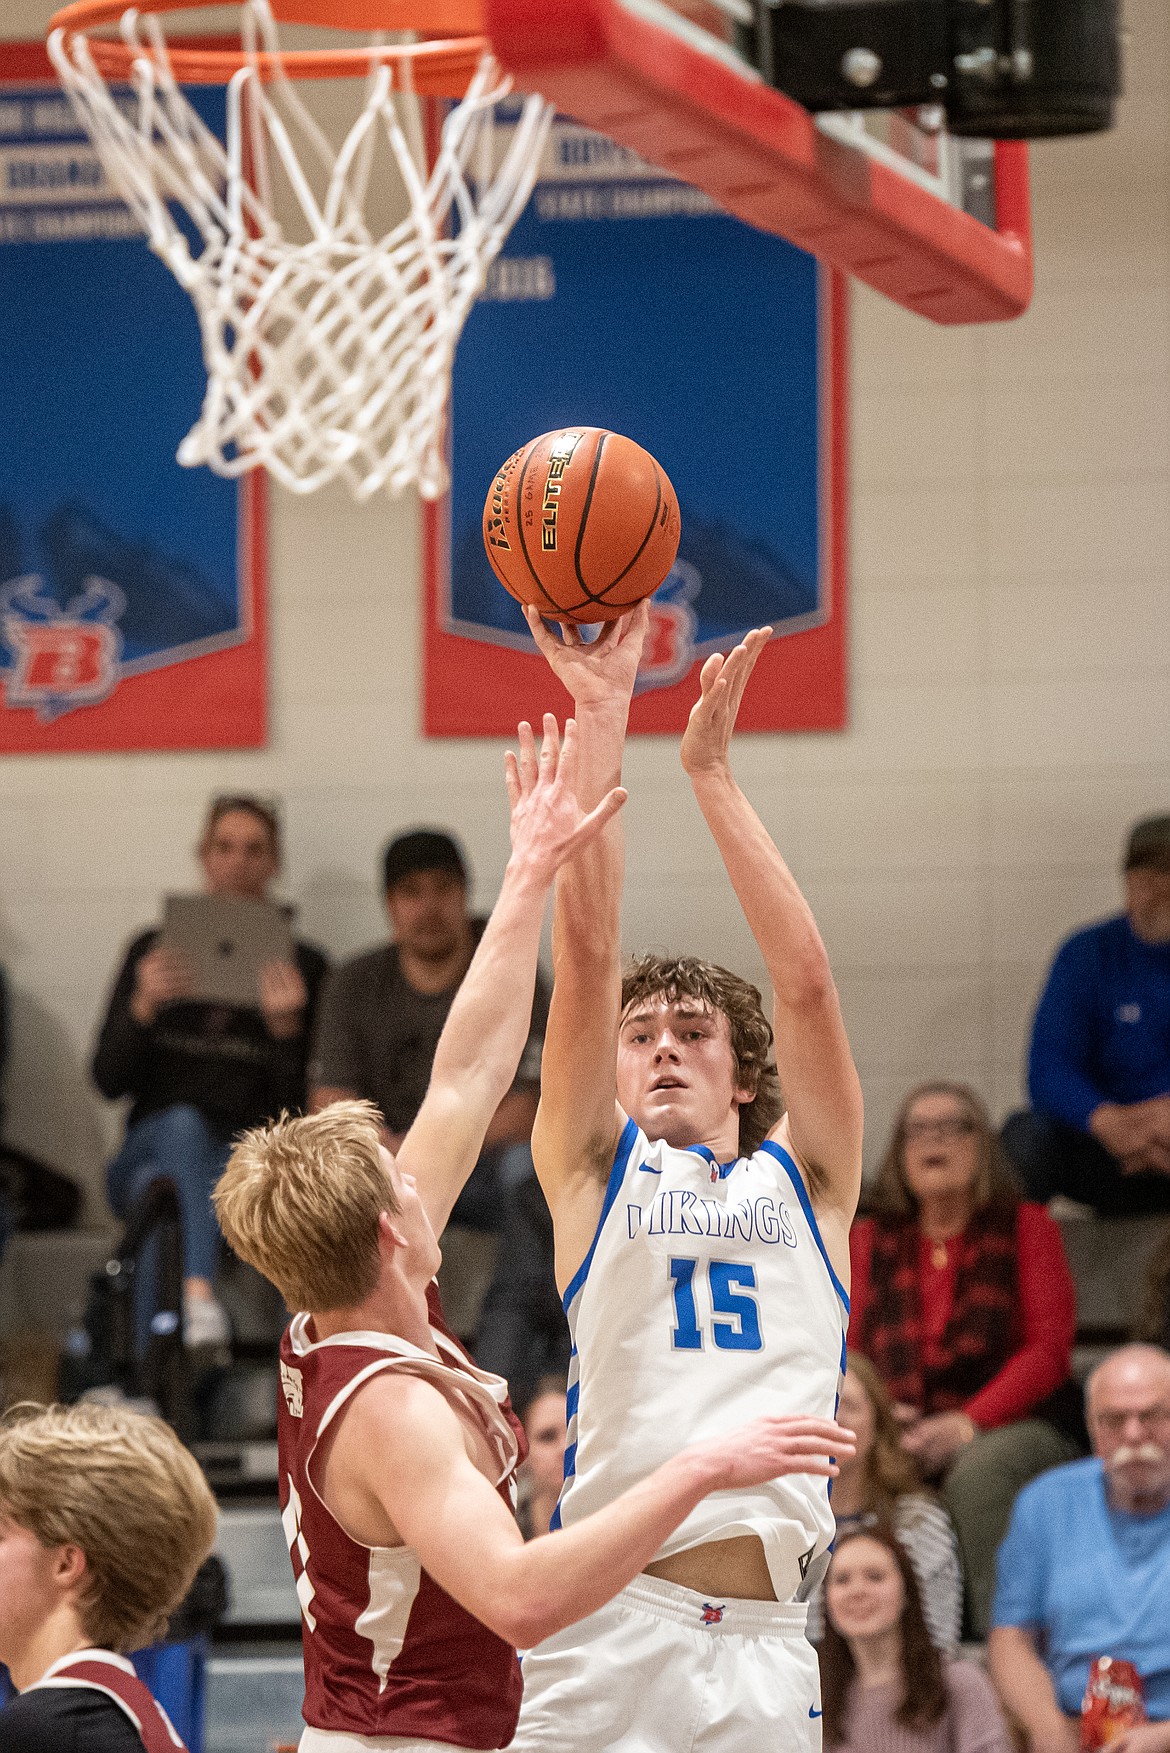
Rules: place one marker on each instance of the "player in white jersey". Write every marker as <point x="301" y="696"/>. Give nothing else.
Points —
<point x="702" y="1252"/>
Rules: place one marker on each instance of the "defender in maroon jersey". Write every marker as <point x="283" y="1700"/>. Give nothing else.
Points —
<point x="397" y="1454"/>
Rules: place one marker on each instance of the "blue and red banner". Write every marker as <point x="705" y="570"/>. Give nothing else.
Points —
<point x="131" y="589"/>
<point x="626" y="300"/>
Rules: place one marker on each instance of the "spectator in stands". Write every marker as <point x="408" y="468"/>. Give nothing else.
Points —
<point x="523" y="1335"/>
<point x="1085" y="1568"/>
<point x="885" y="1688"/>
<point x="963" y="1301"/>
<point x="380" y="1022"/>
<point x="543" y="1473"/>
<point x="881" y="1485"/>
<point x="1153" y="1322"/>
<point x="199" y="1072"/>
<point x="1099" y="1069"/>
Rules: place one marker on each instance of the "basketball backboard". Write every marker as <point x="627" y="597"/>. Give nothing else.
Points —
<point x="939" y="225"/>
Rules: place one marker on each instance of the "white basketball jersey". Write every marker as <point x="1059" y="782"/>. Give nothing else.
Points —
<point x="706" y="1300"/>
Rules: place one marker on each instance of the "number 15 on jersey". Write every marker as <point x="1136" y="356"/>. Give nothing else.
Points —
<point x="735" y="1312"/>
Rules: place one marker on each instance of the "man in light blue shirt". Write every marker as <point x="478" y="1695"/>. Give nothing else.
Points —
<point x="1085" y="1568"/>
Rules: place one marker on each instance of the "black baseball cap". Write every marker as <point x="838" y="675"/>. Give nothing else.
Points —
<point x="422" y="849"/>
<point x="1149" y="845"/>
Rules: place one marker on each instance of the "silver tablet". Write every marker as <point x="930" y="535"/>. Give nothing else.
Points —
<point x="227" y="941"/>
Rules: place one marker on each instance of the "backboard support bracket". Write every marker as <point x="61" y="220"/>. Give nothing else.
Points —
<point x="618" y="67"/>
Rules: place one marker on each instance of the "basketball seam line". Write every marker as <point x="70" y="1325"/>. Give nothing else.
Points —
<point x="582" y="526"/>
<point x="547" y="595"/>
<point x="601" y="595"/>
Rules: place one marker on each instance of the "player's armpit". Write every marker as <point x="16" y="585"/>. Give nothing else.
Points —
<point x="573" y="1179"/>
<point x="822" y="1092"/>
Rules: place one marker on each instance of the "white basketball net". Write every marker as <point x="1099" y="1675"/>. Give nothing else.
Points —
<point x="328" y="354"/>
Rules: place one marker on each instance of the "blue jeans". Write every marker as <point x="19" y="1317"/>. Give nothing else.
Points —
<point x="181" y="1146"/>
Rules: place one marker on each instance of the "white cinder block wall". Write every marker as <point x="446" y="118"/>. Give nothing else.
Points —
<point x="1010" y="697"/>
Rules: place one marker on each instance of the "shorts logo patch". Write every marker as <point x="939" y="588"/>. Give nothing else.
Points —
<point x="711" y="1615"/>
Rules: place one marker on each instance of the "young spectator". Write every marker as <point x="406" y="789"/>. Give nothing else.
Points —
<point x="963" y="1301"/>
<point x="542" y="1474"/>
<point x="881" y="1485"/>
<point x="199" y="1072"/>
<point x="1099" y="1070"/>
<point x="885" y="1688"/>
<point x="380" y="1022"/>
<point x="1153" y="1323"/>
<point x="1085" y="1568"/>
<point x="104" y="1520"/>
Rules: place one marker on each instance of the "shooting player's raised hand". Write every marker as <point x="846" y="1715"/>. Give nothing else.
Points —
<point x="596" y="672"/>
<point x="722" y="681"/>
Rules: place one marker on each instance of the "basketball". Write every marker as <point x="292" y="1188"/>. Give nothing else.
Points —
<point x="581" y="523"/>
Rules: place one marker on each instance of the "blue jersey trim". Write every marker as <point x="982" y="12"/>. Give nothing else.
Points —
<point x="709" y="1156"/>
<point x="613" y="1187"/>
<point x="782" y="1157"/>
<point x="572" y="1400"/>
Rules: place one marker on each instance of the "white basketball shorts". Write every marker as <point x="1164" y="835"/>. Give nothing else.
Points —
<point x="663" y="1670"/>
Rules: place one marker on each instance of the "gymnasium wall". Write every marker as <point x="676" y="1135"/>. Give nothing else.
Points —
<point x="1010" y="698"/>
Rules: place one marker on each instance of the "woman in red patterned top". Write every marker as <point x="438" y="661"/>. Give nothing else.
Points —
<point x="962" y="1298"/>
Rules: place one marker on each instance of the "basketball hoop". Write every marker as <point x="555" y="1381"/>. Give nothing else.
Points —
<point x="328" y="345"/>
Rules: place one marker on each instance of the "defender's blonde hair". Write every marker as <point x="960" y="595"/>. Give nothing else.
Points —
<point x="121" y="1487"/>
<point x="300" y="1200"/>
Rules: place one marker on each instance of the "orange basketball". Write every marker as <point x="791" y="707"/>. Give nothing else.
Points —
<point x="582" y="523"/>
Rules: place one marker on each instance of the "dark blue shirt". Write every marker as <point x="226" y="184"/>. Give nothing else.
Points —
<point x="1102" y="1029"/>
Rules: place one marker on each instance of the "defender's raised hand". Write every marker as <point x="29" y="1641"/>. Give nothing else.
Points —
<point x="548" y="824"/>
<point x="722" y="681"/>
<point x="602" y="670"/>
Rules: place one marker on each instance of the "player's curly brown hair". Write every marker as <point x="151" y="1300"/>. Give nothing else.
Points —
<point x="651" y="977"/>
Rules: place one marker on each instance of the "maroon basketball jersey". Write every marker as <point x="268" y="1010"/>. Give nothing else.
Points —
<point x="102" y="1671"/>
<point x="387" y="1651"/>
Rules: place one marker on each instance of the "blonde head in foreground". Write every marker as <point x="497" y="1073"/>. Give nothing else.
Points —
<point x="126" y="1506"/>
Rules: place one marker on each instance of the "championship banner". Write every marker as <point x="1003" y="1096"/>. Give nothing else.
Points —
<point x="627" y="300"/>
<point x="131" y="589"/>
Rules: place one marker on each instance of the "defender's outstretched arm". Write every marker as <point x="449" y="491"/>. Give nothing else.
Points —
<point x="817" y="1073"/>
<point x="578" y="1121"/>
<point x="401" y="1454"/>
<point x="484" y="1035"/>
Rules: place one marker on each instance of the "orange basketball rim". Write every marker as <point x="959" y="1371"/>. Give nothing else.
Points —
<point x="441" y="65"/>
